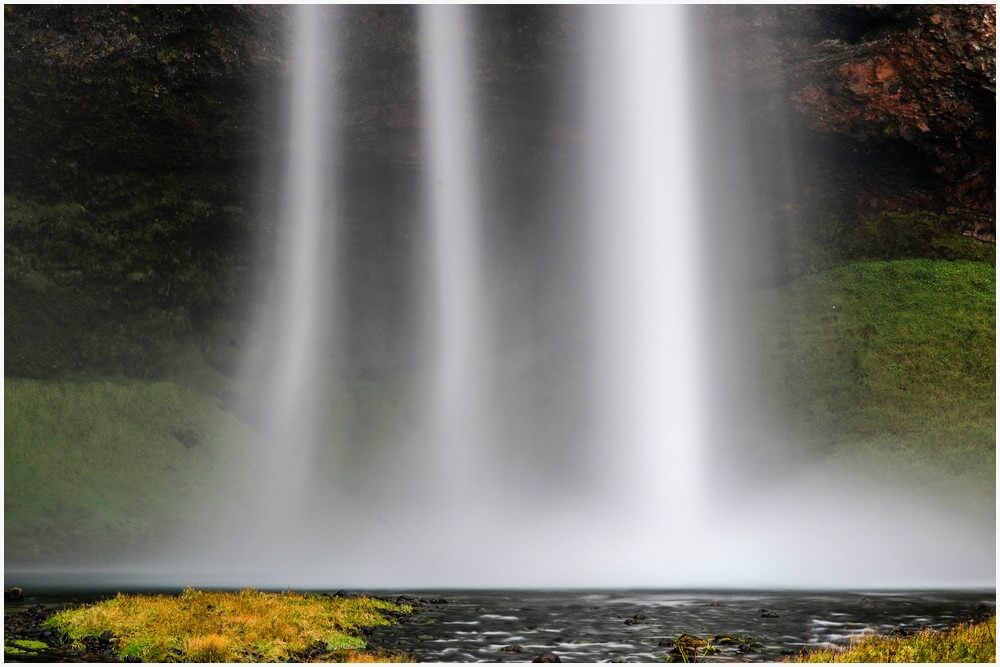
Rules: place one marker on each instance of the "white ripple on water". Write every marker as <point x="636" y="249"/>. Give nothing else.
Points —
<point x="594" y="644"/>
<point x="646" y="602"/>
<point x="498" y="617"/>
<point x="821" y="622"/>
<point x="493" y="648"/>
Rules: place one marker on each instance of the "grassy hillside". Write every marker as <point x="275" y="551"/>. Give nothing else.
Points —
<point x="890" y="364"/>
<point x="96" y="467"/>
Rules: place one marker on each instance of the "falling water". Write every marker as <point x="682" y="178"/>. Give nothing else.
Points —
<point x="646" y="259"/>
<point x="287" y="367"/>
<point x="455" y="334"/>
<point x="290" y="418"/>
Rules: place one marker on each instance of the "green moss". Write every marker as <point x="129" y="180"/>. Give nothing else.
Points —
<point x="22" y="647"/>
<point x="891" y="363"/>
<point x="911" y="234"/>
<point x="826" y="240"/>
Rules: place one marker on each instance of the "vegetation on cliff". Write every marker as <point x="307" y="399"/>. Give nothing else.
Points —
<point x="890" y="362"/>
<point x="96" y="468"/>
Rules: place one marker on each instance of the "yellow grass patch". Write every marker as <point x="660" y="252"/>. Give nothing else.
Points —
<point x="248" y="626"/>
<point x="366" y="656"/>
<point x="968" y="642"/>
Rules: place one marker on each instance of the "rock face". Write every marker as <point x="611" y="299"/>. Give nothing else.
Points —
<point x="924" y="77"/>
<point x="130" y="131"/>
<point x="135" y="137"/>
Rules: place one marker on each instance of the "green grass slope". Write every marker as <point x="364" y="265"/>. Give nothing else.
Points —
<point x="97" y="467"/>
<point x="887" y="365"/>
<point x="890" y="365"/>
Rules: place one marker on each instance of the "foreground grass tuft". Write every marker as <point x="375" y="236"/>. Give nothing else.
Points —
<point x="248" y="626"/>
<point x="969" y="642"/>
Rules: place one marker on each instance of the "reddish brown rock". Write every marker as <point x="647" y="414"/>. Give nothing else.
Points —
<point x="927" y="81"/>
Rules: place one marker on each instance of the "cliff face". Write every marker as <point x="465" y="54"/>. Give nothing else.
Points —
<point x="919" y="76"/>
<point x="130" y="132"/>
<point x="136" y="136"/>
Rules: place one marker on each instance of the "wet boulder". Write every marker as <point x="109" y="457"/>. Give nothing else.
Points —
<point x="548" y="656"/>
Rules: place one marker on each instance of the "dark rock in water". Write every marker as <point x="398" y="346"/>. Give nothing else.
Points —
<point x="14" y="594"/>
<point x="513" y="648"/>
<point x="548" y="656"/>
<point x="665" y="642"/>
<point x="687" y="648"/>
<point x="409" y="599"/>
<point x="439" y="601"/>
<point x="632" y="621"/>
<point x="769" y="613"/>
<point x="745" y="648"/>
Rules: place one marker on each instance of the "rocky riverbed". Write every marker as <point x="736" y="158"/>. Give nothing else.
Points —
<point x="586" y="626"/>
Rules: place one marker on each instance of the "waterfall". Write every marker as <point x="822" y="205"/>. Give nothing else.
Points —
<point x="622" y="496"/>
<point x="302" y="296"/>
<point x="454" y="337"/>
<point x="645" y="258"/>
<point x="287" y="365"/>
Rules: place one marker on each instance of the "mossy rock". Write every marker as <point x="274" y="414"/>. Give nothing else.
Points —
<point x="23" y="647"/>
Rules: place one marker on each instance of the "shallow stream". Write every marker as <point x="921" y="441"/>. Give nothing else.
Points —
<point x="640" y="626"/>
